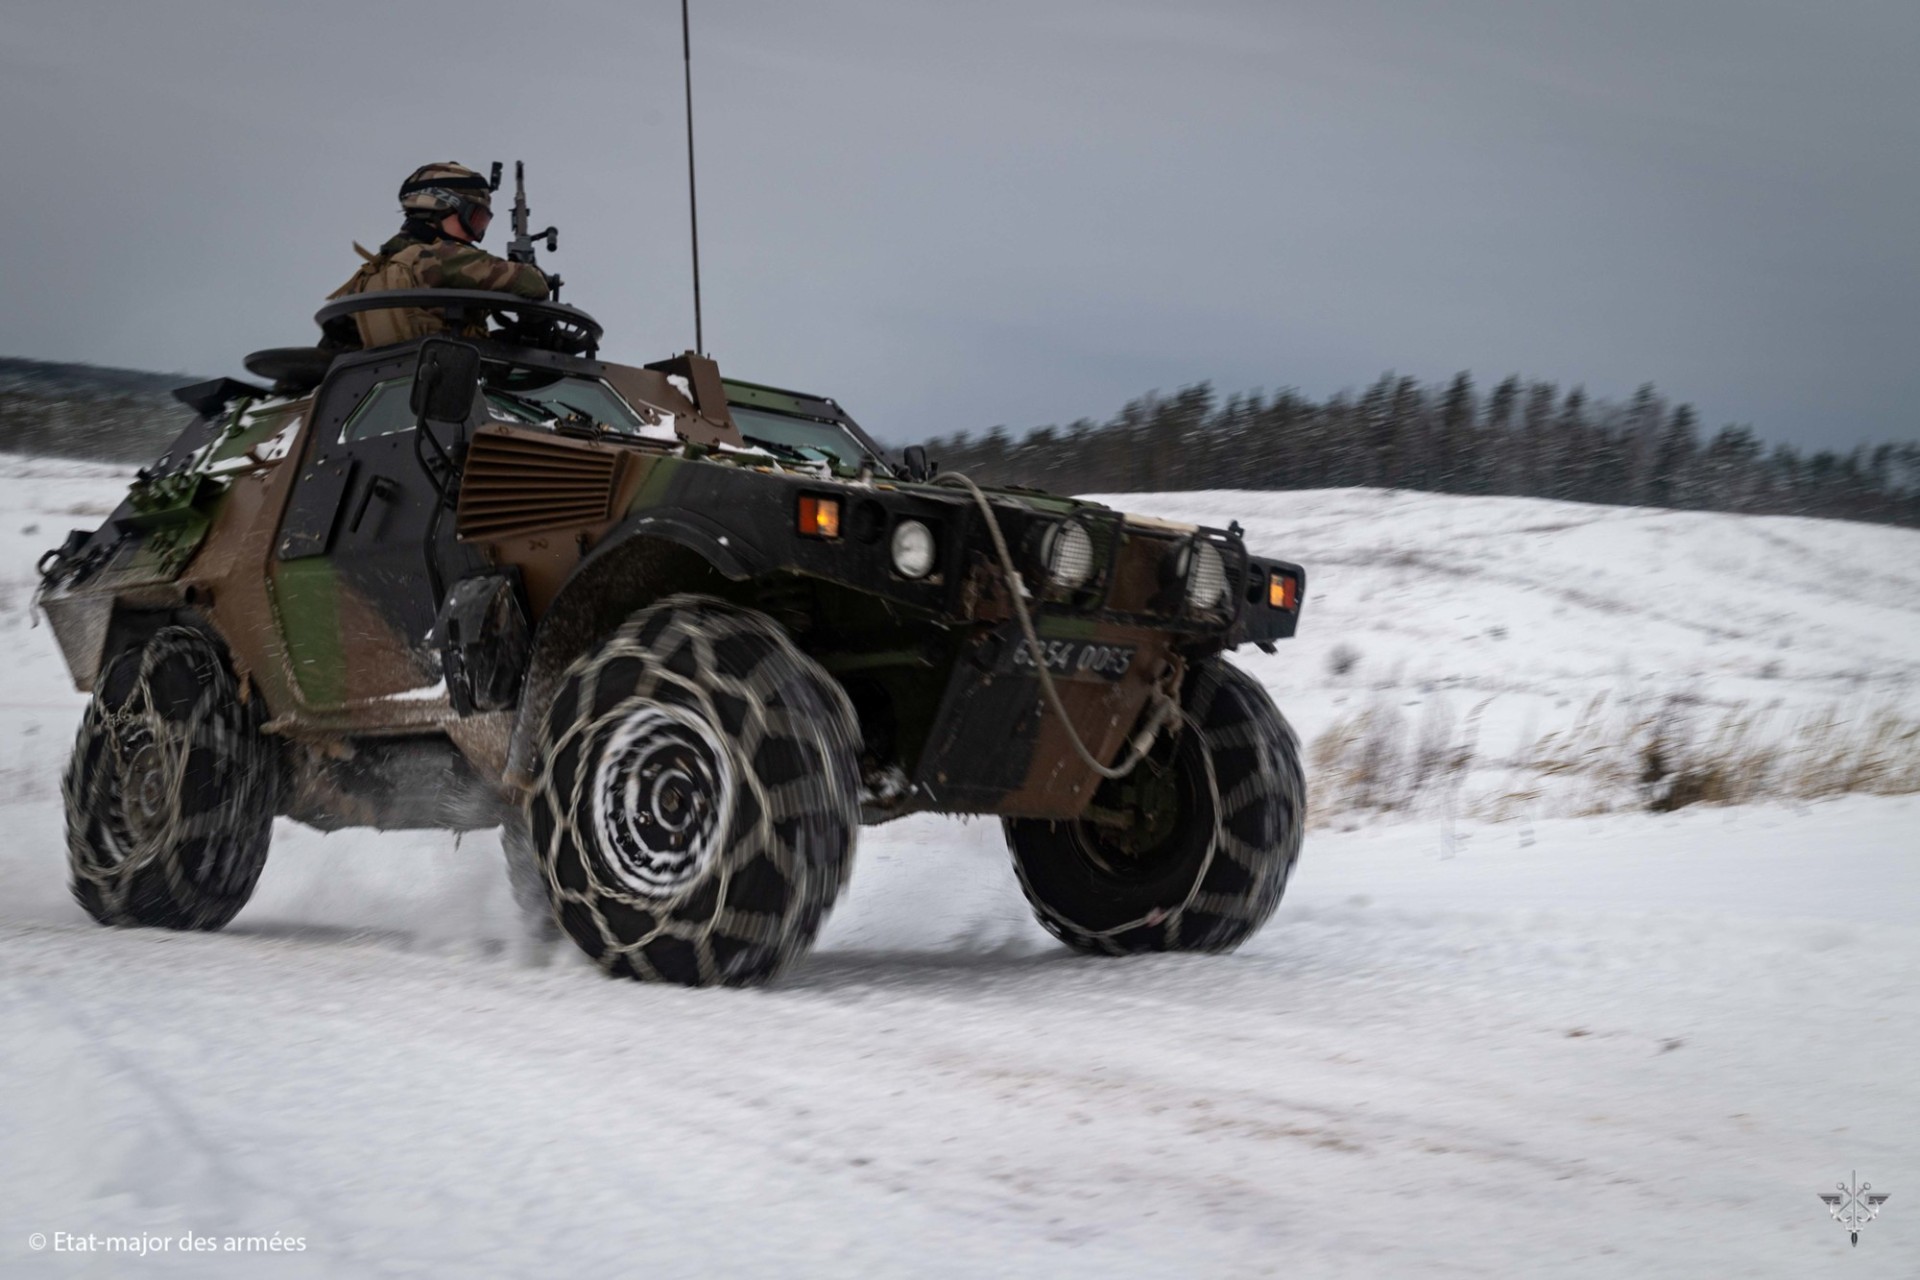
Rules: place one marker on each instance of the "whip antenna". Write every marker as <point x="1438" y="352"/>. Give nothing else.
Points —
<point x="693" y="201"/>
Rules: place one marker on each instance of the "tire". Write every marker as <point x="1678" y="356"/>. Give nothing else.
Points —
<point x="172" y="789"/>
<point x="1198" y="841"/>
<point x="697" y="797"/>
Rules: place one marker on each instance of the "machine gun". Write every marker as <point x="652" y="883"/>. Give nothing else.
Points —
<point x="520" y="248"/>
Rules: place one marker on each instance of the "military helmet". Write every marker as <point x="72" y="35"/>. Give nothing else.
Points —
<point x="435" y="190"/>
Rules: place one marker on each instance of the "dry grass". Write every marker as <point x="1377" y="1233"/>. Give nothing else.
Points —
<point x="1620" y="753"/>
<point x="1674" y="752"/>
<point x="1378" y="761"/>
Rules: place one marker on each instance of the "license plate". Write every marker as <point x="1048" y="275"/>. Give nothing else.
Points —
<point x="1072" y="658"/>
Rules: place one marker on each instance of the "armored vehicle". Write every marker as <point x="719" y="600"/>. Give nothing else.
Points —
<point x="677" y="635"/>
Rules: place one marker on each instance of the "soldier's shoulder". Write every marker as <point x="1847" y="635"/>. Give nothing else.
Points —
<point x="457" y="251"/>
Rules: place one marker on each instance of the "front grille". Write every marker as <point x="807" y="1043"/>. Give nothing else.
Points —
<point x="1140" y="584"/>
<point x="521" y="482"/>
<point x="1148" y="576"/>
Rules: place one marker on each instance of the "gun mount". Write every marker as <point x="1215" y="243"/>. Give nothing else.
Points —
<point x="521" y="322"/>
<point x="524" y="322"/>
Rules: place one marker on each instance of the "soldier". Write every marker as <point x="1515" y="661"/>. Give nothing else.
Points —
<point x="447" y="208"/>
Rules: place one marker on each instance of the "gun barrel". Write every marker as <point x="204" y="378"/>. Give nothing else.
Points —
<point x="521" y="247"/>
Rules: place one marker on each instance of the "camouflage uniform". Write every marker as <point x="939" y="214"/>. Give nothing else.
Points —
<point x="422" y="256"/>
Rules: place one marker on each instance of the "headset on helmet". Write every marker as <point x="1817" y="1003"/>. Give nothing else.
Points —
<point x="434" y="190"/>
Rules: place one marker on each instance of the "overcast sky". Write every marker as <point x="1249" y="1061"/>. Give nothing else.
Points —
<point x="955" y="215"/>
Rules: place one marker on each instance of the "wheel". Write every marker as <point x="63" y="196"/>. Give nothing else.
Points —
<point x="1189" y="852"/>
<point x="696" y="797"/>
<point x="171" y="791"/>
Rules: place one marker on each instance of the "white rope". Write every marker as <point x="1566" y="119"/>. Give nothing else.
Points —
<point x="1164" y="708"/>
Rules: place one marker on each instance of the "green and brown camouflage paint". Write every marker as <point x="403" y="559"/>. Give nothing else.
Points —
<point x="339" y="644"/>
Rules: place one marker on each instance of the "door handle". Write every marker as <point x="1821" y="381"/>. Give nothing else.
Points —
<point x="379" y="487"/>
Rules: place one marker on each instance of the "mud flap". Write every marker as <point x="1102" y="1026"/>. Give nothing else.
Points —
<point x="484" y="642"/>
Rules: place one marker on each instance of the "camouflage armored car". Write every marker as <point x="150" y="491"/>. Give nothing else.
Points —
<point x="679" y="636"/>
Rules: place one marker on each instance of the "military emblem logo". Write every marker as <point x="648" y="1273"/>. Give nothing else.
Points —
<point x="1853" y="1207"/>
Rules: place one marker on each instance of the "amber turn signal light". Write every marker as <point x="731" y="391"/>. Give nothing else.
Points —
<point x="819" y="517"/>
<point x="1283" y="592"/>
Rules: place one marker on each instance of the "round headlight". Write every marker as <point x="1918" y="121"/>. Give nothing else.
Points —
<point x="912" y="549"/>
<point x="1067" y="552"/>
<point x="1206" y="578"/>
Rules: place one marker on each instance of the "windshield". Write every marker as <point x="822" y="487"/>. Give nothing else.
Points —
<point x="807" y="438"/>
<point x="585" y="402"/>
<point x="591" y="403"/>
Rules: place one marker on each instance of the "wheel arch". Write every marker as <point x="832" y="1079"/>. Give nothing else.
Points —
<point x="646" y="558"/>
<point x="129" y="627"/>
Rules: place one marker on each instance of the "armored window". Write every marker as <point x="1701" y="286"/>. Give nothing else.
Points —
<point x="809" y="439"/>
<point x="384" y="412"/>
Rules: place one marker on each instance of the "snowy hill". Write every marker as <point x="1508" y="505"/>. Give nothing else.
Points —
<point x="1556" y="600"/>
<point x="1530" y="627"/>
<point x="1628" y="1045"/>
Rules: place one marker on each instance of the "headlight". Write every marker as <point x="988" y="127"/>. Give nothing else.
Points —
<point x="1206" y="579"/>
<point x="912" y="549"/>
<point x="1067" y="553"/>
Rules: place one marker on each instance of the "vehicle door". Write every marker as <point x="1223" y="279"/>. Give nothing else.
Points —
<point x="365" y="551"/>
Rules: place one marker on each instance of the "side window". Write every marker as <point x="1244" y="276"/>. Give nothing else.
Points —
<point x="384" y="412"/>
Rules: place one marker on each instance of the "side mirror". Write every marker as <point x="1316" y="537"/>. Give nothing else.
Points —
<point x="446" y="381"/>
<point x="914" y="464"/>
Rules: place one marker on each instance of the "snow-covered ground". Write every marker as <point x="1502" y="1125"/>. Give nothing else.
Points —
<point x="1623" y="1046"/>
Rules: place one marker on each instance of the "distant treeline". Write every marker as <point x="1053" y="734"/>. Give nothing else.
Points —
<point x="1525" y="439"/>
<point x="86" y="411"/>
